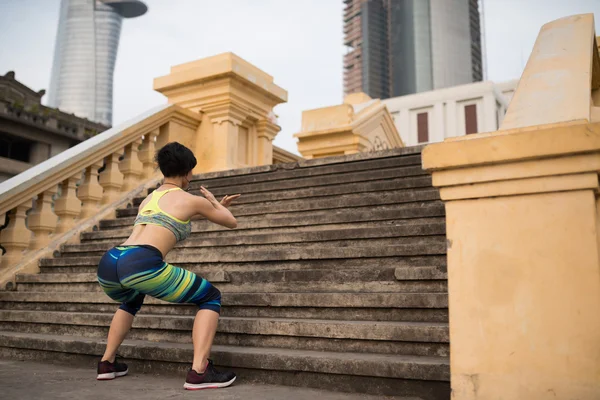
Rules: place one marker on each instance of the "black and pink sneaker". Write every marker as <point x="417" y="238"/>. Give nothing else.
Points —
<point x="108" y="370"/>
<point x="209" y="379"/>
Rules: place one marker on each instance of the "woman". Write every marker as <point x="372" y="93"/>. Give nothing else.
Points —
<point x="129" y="272"/>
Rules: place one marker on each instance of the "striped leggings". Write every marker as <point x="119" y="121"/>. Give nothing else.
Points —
<point x="128" y="273"/>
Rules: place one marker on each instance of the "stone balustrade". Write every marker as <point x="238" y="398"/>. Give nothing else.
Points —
<point x="51" y="199"/>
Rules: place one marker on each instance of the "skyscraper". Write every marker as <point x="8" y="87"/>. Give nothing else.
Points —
<point x="399" y="47"/>
<point x="85" y="53"/>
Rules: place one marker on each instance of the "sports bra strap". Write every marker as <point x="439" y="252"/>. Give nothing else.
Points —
<point x="152" y="204"/>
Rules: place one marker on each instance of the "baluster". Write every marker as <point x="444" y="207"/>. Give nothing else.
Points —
<point x="41" y="220"/>
<point x="147" y="153"/>
<point x="67" y="206"/>
<point x="111" y="179"/>
<point x="131" y="167"/>
<point x="90" y="191"/>
<point x="15" y="237"/>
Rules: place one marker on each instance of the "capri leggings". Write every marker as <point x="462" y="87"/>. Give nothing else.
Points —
<point x="128" y="273"/>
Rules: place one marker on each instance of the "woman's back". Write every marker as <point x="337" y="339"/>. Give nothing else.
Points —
<point x="163" y="219"/>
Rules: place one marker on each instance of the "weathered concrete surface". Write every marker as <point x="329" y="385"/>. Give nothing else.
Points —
<point x="29" y="380"/>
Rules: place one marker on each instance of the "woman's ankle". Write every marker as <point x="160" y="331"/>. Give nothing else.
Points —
<point x="200" y="369"/>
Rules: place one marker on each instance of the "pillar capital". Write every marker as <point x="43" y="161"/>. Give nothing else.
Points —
<point x="219" y="83"/>
<point x="544" y="159"/>
<point x="267" y="129"/>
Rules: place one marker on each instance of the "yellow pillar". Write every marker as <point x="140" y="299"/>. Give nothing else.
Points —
<point x="233" y="97"/>
<point x="266" y="132"/>
<point x="523" y="262"/>
<point x="523" y="232"/>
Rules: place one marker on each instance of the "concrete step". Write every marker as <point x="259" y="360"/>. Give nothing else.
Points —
<point x="383" y="212"/>
<point x="322" y="236"/>
<point x="416" y="307"/>
<point x="265" y="275"/>
<point x="425" y="377"/>
<point x="219" y="232"/>
<point x="274" y="173"/>
<point x="90" y="264"/>
<point x="333" y="185"/>
<point x="361" y="280"/>
<point x="367" y="248"/>
<point x="351" y="200"/>
<point x="372" y="279"/>
<point x="409" y="338"/>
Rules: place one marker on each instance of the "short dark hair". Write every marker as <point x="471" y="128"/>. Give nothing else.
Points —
<point x="174" y="159"/>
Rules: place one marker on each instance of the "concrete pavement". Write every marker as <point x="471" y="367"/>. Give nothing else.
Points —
<point x="29" y="380"/>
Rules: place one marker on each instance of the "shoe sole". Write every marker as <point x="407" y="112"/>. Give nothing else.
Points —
<point x="212" y="385"/>
<point x="111" y="375"/>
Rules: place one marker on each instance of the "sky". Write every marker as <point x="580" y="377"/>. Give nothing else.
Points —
<point x="298" y="42"/>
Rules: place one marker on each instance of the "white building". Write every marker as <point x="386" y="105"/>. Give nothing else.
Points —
<point x="433" y="116"/>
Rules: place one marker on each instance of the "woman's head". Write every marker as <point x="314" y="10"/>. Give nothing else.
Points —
<point x="175" y="160"/>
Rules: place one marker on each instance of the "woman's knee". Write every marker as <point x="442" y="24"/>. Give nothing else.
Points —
<point x="134" y="305"/>
<point x="211" y="301"/>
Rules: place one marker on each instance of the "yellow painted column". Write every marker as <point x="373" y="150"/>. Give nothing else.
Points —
<point x="216" y="145"/>
<point x="265" y="132"/>
<point x="523" y="262"/>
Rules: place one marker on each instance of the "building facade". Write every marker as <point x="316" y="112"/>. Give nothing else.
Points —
<point x="85" y="53"/>
<point x="401" y="47"/>
<point x="436" y="115"/>
<point x="30" y="132"/>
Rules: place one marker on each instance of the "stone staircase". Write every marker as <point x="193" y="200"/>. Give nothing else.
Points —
<point x="335" y="279"/>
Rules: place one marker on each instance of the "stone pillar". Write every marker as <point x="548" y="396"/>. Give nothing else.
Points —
<point x="111" y="179"/>
<point x="147" y="152"/>
<point x="90" y="191"/>
<point x="42" y="221"/>
<point x="131" y="167"/>
<point x="523" y="229"/>
<point x="67" y="206"/>
<point x="15" y="237"/>
<point x="230" y="93"/>
<point x="266" y="132"/>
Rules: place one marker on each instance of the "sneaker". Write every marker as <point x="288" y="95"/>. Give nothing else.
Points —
<point x="108" y="370"/>
<point x="209" y="379"/>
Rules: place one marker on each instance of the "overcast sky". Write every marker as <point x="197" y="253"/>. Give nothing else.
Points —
<point x="298" y="42"/>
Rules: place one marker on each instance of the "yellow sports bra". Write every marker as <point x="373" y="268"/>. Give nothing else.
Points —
<point x="152" y="214"/>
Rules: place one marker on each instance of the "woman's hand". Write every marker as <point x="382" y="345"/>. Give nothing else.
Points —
<point x="209" y="196"/>
<point x="227" y="200"/>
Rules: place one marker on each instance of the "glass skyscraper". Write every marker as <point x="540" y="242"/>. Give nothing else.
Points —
<point x="85" y="53"/>
<point x="400" y="47"/>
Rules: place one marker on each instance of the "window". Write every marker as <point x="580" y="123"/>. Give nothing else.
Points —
<point x="471" y="119"/>
<point x="15" y="148"/>
<point x="423" y="127"/>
